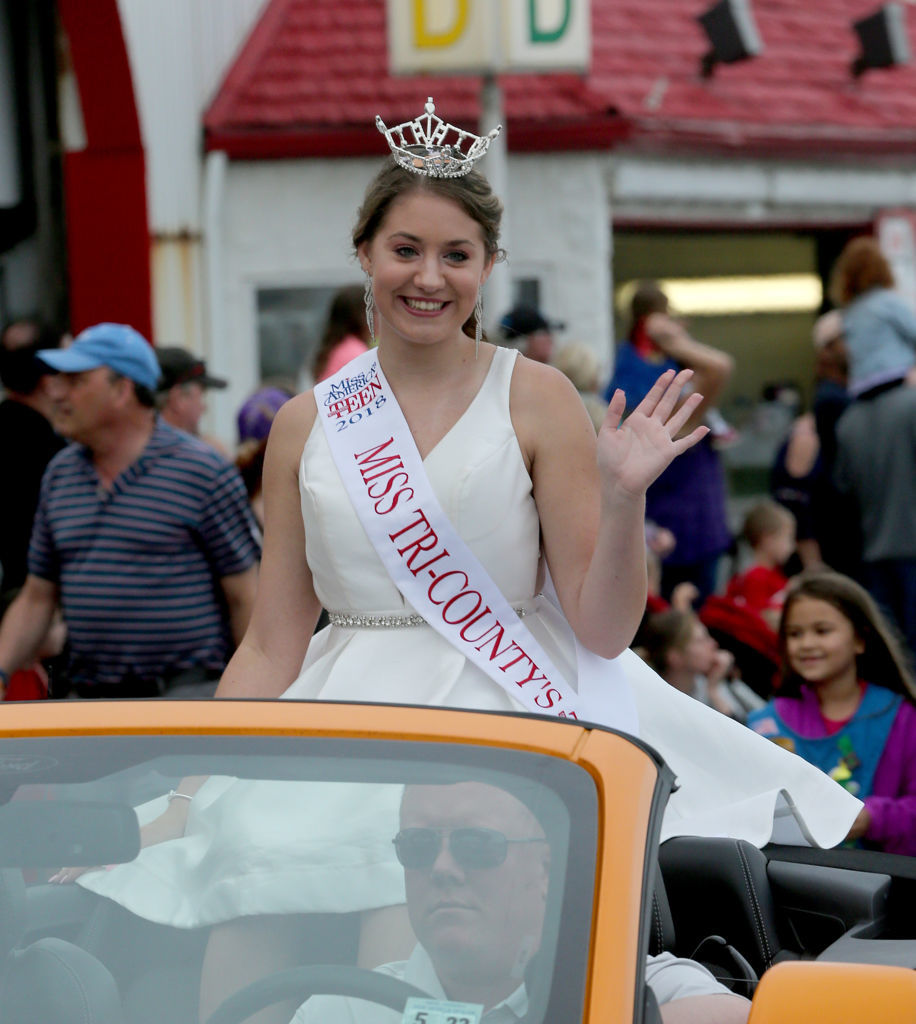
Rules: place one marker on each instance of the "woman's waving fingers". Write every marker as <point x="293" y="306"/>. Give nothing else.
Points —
<point x="664" y="394"/>
<point x="654" y="395"/>
<point x="676" y="421"/>
<point x="681" y="444"/>
<point x="615" y="410"/>
<point x="661" y="402"/>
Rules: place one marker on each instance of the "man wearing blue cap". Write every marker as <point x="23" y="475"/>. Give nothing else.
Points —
<point x="143" y="536"/>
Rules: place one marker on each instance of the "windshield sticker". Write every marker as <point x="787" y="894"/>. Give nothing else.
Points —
<point x="441" y="1011"/>
<point x="22" y="764"/>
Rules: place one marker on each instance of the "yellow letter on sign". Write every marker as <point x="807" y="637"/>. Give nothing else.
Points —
<point x="426" y="37"/>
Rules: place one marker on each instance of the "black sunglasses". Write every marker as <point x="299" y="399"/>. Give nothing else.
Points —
<point x="470" y="847"/>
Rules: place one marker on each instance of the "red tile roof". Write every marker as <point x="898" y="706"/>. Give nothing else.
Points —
<point x="313" y="75"/>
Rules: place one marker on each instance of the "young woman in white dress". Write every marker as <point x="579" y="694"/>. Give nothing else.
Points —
<point x="513" y="459"/>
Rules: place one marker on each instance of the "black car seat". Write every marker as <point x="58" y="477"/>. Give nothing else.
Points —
<point x="661" y="931"/>
<point x="51" y="980"/>
<point x="722" y="904"/>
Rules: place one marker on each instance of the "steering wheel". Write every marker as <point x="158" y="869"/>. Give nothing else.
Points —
<point x="317" y="979"/>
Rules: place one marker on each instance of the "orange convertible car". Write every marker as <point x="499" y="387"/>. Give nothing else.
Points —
<point x="525" y="851"/>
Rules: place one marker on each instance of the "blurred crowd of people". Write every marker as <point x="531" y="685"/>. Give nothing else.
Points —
<point x="128" y="568"/>
<point x="803" y="625"/>
<point x="153" y="529"/>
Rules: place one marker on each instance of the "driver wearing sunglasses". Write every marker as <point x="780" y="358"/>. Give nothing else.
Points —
<point x="472" y="848"/>
<point x="476" y="869"/>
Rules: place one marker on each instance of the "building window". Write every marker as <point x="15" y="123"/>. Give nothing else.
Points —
<point x="290" y="324"/>
<point x="526" y="291"/>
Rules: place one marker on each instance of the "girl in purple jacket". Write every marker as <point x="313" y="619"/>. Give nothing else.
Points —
<point x="847" y="703"/>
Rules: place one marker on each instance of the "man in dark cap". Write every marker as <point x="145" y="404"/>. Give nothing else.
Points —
<point x="181" y="395"/>
<point x="526" y="328"/>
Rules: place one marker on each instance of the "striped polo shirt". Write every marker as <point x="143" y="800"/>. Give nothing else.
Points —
<point x="139" y="566"/>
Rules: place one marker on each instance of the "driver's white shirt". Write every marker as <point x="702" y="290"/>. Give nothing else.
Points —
<point x="668" y="976"/>
<point x="419" y="971"/>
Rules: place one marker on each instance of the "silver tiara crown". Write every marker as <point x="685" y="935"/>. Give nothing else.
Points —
<point x="428" y="145"/>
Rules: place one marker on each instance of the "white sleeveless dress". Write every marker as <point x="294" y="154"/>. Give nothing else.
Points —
<point x="230" y="862"/>
<point x="478" y="474"/>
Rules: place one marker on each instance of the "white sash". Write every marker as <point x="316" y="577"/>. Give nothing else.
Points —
<point x="434" y="569"/>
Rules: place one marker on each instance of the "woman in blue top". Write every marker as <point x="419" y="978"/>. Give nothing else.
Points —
<point x="879" y="327"/>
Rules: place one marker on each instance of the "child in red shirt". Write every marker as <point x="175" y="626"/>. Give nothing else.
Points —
<point x="769" y="529"/>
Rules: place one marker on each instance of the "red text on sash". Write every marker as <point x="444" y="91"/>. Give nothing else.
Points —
<point x="450" y="592"/>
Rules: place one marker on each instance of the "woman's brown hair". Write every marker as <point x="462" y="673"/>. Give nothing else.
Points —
<point x="648" y="298"/>
<point x="346" y="317"/>
<point x="860" y="267"/>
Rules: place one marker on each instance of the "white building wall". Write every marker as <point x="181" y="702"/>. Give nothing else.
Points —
<point x="682" y="190"/>
<point x="283" y="223"/>
<point x="560" y="232"/>
<point x="179" y="52"/>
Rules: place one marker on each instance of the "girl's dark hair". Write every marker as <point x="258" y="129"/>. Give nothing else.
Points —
<point x="471" y="192"/>
<point x="347" y="316"/>
<point x="648" y="298"/>
<point x="883" y="662"/>
<point x="660" y="633"/>
<point x="249" y="461"/>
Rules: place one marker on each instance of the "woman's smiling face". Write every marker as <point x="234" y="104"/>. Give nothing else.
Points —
<point x="427" y="262"/>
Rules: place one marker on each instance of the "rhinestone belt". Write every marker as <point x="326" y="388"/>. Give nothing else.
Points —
<point x="348" y="621"/>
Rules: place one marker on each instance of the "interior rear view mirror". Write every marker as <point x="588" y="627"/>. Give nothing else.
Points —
<point x="49" y="833"/>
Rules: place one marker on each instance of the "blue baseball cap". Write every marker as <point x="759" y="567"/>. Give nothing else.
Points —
<point x="116" y="346"/>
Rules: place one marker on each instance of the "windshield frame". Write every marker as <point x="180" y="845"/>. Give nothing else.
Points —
<point x="78" y="763"/>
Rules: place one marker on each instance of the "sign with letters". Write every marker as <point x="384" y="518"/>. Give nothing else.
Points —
<point x="477" y="36"/>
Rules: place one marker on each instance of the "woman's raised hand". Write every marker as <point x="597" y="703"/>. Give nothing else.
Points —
<point x="634" y="452"/>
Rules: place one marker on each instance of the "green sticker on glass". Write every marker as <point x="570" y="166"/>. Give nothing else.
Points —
<point x="441" y="1011"/>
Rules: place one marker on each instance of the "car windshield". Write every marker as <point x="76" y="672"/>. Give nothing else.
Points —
<point x="333" y="870"/>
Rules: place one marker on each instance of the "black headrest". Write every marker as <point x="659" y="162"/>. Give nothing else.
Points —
<point x="55" y="981"/>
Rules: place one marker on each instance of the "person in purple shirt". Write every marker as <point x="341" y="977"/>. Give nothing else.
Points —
<point x="847" y="703"/>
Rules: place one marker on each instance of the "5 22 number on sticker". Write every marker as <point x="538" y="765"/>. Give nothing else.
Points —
<point x="441" y="1011"/>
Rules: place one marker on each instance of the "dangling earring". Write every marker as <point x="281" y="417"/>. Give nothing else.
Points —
<point x="478" y="323"/>
<point x="369" y="299"/>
